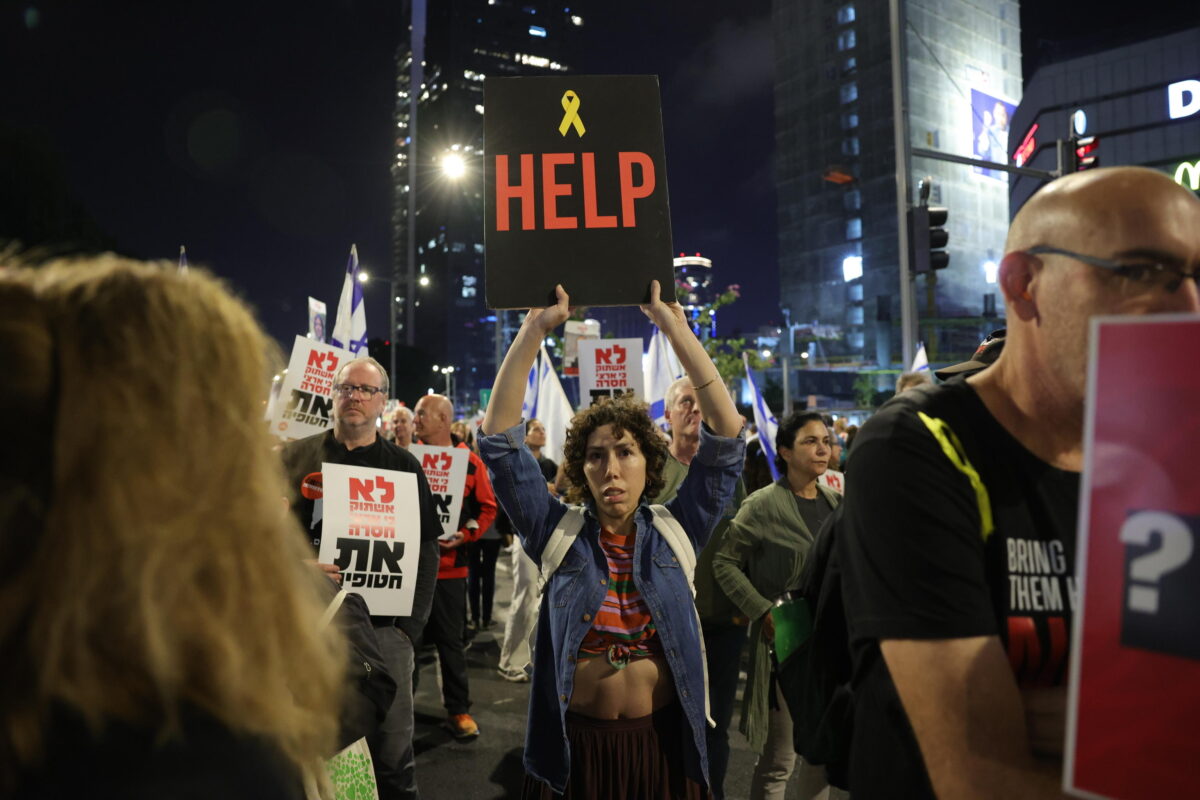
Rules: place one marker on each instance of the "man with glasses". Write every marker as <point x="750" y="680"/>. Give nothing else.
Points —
<point x="360" y="394"/>
<point x="957" y="544"/>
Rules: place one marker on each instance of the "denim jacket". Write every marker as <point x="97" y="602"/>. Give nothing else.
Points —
<point x="577" y="588"/>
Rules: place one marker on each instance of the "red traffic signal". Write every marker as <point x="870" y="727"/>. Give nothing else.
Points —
<point x="1085" y="153"/>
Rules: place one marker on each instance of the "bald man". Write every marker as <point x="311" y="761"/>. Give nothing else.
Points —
<point x="431" y="423"/>
<point x="958" y="572"/>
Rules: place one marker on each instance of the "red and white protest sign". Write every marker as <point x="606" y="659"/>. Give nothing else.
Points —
<point x="446" y="470"/>
<point x="372" y="531"/>
<point x="1132" y="729"/>
<point x="833" y="479"/>
<point x="305" y="402"/>
<point x="609" y="367"/>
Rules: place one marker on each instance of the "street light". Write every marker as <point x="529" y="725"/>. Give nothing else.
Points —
<point x="453" y="166"/>
<point x="363" y="276"/>
<point x="423" y="280"/>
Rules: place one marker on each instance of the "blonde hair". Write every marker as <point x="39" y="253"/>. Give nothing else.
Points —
<point x="147" y="562"/>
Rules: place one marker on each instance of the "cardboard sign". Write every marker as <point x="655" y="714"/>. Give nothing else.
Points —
<point x="305" y="403"/>
<point x="1135" y="659"/>
<point x="576" y="191"/>
<point x="833" y="479"/>
<point x="372" y="531"/>
<point x="609" y="367"/>
<point x="446" y="470"/>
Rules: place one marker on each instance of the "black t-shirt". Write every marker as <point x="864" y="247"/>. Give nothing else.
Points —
<point x="814" y="512"/>
<point x="919" y="562"/>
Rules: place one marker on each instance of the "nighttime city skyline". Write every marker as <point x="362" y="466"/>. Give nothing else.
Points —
<point x="260" y="136"/>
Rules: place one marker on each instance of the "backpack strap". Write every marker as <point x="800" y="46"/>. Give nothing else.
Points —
<point x="669" y="528"/>
<point x="559" y="543"/>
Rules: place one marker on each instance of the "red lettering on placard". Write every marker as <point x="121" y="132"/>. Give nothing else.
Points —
<point x="631" y="192"/>
<point x="361" y="489"/>
<point x="429" y="461"/>
<point x="551" y="191"/>
<point x="1029" y="665"/>
<point x="317" y="359"/>
<point x="634" y="185"/>
<point x="591" y="219"/>
<point x="522" y="191"/>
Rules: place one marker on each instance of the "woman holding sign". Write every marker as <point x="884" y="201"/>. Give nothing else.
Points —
<point x="619" y="701"/>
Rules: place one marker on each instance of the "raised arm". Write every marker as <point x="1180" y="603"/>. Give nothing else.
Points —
<point x="508" y="392"/>
<point x="716" y="406"/>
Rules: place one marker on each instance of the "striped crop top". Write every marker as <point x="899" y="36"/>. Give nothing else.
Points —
<point x="623" y="628"/>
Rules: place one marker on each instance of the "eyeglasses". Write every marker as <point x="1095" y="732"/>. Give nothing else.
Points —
<point x="348" y="389"/>
<point x="1144" y="275"/>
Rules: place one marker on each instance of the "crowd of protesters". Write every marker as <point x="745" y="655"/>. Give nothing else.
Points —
<point x="159" y="608"/>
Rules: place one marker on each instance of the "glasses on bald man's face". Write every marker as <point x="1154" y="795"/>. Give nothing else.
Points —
<point x="348" y="390"/>
<point x="1139" y="275"/>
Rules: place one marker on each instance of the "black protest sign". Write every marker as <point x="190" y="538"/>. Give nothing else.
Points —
<point x="576" y="188"/>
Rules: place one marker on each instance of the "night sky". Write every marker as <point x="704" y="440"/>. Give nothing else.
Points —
<point x="259" y="134"/>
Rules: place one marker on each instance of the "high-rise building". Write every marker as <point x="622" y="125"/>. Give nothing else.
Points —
<point x="439" y="180"/>
<point x="1137" y="104"/>
<point x="836" y="165"/>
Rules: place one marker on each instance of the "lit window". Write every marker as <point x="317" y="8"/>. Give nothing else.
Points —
<point x="845" y="14"/>
<point x="846" y="40"/>
<point x="850" y="146"/>
<point x="854" y="228"/>
<point x="537" y="30"/>
<point x="468" y="291"/>
<point x="849" y="121"/>
<point x="849" y="92"/>
<point x="850" y="64"/>
<point x="855" y="315"/>
<point x="852" y="200"/>
<point x="852" y="268"/>
<point x="478" y="109"/>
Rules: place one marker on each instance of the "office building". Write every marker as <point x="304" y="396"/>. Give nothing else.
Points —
<point x="836" y="163"/>
<point x="457" y="44"/>
<point x="1132" y="105"/>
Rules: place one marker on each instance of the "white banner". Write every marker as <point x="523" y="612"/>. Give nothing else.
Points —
<point x="372" y="531"/>
<point x="609" y="367"/>
<point x="305" y="403"/>
<point x="446" y="470"/>
<point x="834" y="480"/>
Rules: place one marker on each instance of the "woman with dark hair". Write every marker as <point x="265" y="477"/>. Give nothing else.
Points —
<point x="758" y="564"/>
<point x="618" y="706"/>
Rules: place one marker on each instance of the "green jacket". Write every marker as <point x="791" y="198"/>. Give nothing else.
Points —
<point x="759" y="559"/>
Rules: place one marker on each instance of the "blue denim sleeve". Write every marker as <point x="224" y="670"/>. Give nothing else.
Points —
<point x="710" y="483"/>
<point x="521" y="488"/>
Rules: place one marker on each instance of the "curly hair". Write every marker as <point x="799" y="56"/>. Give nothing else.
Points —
<point x="624" y="413"/>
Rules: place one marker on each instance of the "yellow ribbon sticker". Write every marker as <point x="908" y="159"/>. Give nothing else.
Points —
<point x="570" y="104"/>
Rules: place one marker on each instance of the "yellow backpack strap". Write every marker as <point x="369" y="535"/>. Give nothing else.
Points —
<point x="954" y="451"/>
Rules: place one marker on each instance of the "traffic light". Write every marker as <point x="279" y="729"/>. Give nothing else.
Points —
<point x="927" y="238"/>
<point x="1084" y="153"/>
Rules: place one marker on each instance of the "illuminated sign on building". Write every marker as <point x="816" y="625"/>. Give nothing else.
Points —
<point x="1027" y="146"/>
<point x="1187" y="175"/>
<point x="1183" y="99"/>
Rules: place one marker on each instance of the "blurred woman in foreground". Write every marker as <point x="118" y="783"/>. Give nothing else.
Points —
<point x="159" y="629"/>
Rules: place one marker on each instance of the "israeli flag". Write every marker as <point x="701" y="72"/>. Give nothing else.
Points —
<point x="764" y="420"/>
<point x="529" y="406"/>
<point x="553" y="408"/>
<point x="662" y="368"/>
<point x="920" y="360"/>
<point x="350" y="330"/>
